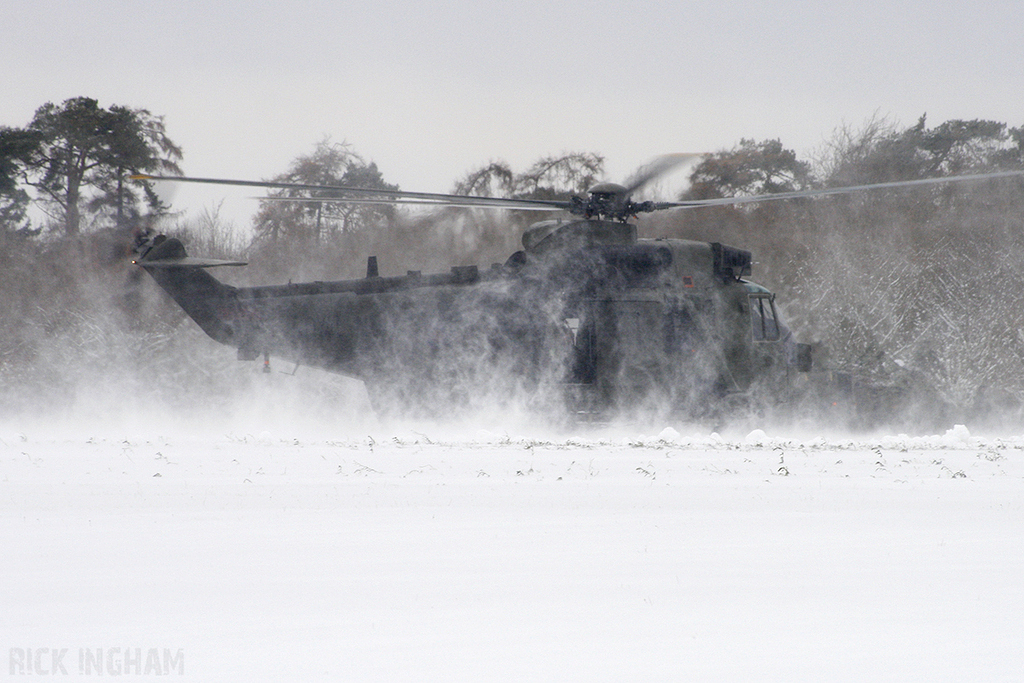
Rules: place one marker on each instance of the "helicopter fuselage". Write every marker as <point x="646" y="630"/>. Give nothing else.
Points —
<point x="588" y="316"/>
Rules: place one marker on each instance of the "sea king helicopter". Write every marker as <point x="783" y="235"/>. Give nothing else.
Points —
<point x="586" y="321"/>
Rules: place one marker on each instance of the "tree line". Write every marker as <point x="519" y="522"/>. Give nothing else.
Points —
<point x="918" y="287"/>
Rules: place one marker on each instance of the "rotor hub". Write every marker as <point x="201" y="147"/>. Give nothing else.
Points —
<point x="609" y="200"/>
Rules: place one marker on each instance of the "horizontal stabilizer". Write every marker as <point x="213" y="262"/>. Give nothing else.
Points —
<point x="187" y="262"/>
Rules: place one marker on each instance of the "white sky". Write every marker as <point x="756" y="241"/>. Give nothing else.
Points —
<point x="430" y="90"/>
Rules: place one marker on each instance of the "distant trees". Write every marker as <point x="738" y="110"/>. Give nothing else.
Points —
<point x="750" y="168"/>
<point x="77" y="157"/>
<point x="917" y="285"/>
<point x="928" y="276"/>
<point x="881" y="151"/>
<point x="550" y="177"/>
<point x="329" y="233"/>
<point x="15" y="145"/>
<point x="285" y="214"/>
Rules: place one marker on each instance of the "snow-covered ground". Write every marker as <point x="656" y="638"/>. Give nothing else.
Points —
<point x="375" y="553"/>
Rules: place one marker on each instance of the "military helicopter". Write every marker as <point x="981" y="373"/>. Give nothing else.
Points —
<point x="587" y="320"/>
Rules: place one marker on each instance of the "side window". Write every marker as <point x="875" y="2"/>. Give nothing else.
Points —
<point x="762" y="317"/>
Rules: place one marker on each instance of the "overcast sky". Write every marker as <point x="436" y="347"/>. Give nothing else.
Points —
<point x="430" y="90"/>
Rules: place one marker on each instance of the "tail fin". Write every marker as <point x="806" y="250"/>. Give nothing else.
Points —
<point x="204" y="298"/>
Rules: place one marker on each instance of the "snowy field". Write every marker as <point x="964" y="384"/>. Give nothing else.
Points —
<point x="366" y="552"/>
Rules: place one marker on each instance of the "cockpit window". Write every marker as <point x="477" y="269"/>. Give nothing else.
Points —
<point x="762" y="317"/>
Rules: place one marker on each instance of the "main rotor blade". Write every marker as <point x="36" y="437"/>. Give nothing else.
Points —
<point x="822" y="192"/>
<point x="469" y="203"/>
<point x="443" y="199"/>
<point x="656" y="168"/>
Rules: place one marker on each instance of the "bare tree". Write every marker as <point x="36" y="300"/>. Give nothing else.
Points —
<point x="559" y="176"/>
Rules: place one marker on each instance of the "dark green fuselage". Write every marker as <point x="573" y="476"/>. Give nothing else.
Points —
<point x="587" y="316"/>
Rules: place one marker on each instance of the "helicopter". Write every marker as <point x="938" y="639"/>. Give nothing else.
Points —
<point x="587" y="320"/>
